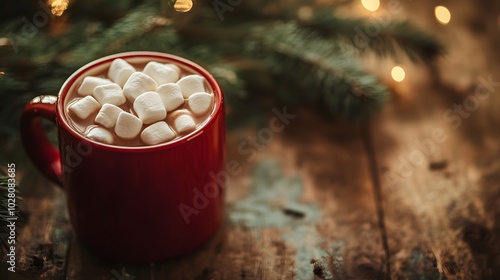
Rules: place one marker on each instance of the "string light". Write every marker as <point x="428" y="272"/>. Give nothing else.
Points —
<point x="371" y="5"/>
<point x="183" y="5"/>
<point x="443" y="15"/>
<point x="398" y="73"/>
<point x="57" y="7"/>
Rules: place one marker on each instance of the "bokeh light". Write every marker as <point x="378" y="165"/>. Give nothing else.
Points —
<point x="443" y="15"/>
<point x="57" y="7"/>
<point x="183" y="5"/>
<point x="371" y="5"/>
<point x="398" y="73"/>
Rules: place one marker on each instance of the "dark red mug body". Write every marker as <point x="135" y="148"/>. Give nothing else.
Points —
<point x="136" y="204"/>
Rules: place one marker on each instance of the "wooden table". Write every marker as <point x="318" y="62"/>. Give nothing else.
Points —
<point x="411" y="194"/>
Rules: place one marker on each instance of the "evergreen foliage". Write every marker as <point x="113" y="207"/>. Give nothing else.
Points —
<point x="255" y="49"/>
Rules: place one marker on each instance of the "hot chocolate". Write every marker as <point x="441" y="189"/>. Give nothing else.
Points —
<point x="139" y="104"/>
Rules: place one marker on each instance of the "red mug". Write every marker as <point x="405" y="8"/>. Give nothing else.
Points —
<point x="133" y="204"/>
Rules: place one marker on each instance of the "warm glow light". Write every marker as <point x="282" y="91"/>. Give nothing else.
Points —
<point x="183" y="5"/>
<point x="371" y="5"/>
<point x="57" y="7"/>
<point x="443" y="15"/>
<point x="398" y="73"/>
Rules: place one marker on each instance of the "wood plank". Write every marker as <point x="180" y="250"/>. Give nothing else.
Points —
<point x="440" y="187"/>
<point x="440" y="213"/>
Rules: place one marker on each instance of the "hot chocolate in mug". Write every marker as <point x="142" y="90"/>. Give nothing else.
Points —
<point x="133" y="203"/>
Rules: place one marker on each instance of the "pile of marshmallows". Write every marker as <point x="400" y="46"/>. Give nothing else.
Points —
<point x="152" y="94"/>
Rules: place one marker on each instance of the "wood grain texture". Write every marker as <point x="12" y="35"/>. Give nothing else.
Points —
<point x="43" y="242"/>
<point x="437" y="168"/>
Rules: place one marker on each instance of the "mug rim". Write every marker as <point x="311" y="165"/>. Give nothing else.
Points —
<point x="218" y="104"/>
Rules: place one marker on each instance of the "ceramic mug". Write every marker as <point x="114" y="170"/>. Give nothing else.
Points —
<point x="133" y="204"/>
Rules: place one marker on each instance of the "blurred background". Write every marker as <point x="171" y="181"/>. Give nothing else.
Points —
<point x="345" y="58"/>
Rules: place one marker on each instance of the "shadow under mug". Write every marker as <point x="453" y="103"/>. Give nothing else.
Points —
<point x="133" y="204"/>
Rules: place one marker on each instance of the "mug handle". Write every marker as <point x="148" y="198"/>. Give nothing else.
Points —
<point x="44" y="155"/>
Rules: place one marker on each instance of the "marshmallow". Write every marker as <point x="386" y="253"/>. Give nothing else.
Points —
<point x="137" y="84"/>
<point x="149" y="107"/>
<point x="101" y="134"/>
<point x="191" y="84"/>
<point x="200" y="103"/>
<point x="84" y="107"/>
<point x="174" y="114"/>
<point x="128" y="126"/>
<point x="184" y="123"/>
<point x="171" y="96"/>
<point x="157" y="133"/>
<point x="90" y="83"/>
<point x="108" y="115"/>
<point x="174" y="66"/>
<point x="112" y="94"/>
<point x="161" y="73"/>
<point x="119" y="71"/>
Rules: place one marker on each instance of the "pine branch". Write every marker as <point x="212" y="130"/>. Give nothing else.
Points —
<point x="130" y="29"/>
<point x="319" y="71"/>
<point x="383" y="38"/>
<point x="321" y="51"/>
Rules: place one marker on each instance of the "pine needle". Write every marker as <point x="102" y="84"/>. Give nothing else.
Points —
<point x="383" y="38"/>
<point x="128" y="30"/>
<point x="326" y="76"/>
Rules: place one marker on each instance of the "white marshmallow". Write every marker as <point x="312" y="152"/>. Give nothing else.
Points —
<point x="119" y="71"/>
<point x="128" y="126"/>
<point x="137" y="84"/>
<point x="191" y="84"/>
<point x="174" y="114"/>
<point x="84" y="107"/>
<point x="157" y="133"/>
<point x="184" y="123"/>
<point x="108" y="115"/>
<point x="171" y="96"/>
<point x="149" y="107"/>
<point x="161" y="73"/>
<point x="112" y="94"/>
<point x="89" y="83"/>
<point x="200" y="103"/>
<point x="175" y="67"/>
<point x="101" y="134"/>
